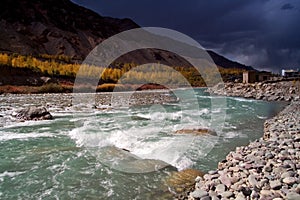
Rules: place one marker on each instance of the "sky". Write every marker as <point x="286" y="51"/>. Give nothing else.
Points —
<point x="264" y="34"/>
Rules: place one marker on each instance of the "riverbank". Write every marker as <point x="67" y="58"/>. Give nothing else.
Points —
<point x="268" y="168"/>
<point x="68" y="87"/>
<point x="279" y="91"/>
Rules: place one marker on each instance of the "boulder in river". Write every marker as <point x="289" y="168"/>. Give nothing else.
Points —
<point x="123" y="160"/>
<point x="198" y="131"/>
<point x="183" y="181"/>
<point x="34" y="113"/>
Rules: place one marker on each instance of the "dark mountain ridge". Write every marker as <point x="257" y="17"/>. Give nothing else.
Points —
<point x="60" y="27"/>
<point x="226" y="63"/>
<point x="54" y="27"/>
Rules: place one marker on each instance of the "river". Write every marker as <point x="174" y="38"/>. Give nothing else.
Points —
<point x="118" y="152"/>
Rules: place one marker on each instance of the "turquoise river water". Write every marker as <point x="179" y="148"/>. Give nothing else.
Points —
<point x="80" y="156"/>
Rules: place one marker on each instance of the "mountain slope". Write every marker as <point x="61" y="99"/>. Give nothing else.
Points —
<point x="226" y="63"/>
<point x="60" y="27"/>
<point x="54" y="27"/>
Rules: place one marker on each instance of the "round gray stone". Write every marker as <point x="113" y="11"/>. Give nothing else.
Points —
<point x="198" y="193"/>
<point x="293" y="196"/>
<point x="220" y="188"/>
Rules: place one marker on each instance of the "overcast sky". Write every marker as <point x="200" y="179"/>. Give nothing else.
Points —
<point x="264" y="34"/>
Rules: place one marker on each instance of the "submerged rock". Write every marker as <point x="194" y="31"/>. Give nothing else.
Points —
<point x="34" y="113"/>
<point x="137" y="118"/>
<point x="183" y="181"/>
<point x="123" y="160"/>
<point x="198" y="131"/>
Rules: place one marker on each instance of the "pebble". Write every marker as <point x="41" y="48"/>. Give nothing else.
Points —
<point x="275" y="185"/>
<point x="212" y="172"/>
<point x="199" y="193"/>
<point x="267" y="168"/>
<point x="287" y="174"/>
<point x="266" y="192"/>
<point x="220" y="188"/>
<point x="252" y="180"/>
<point x="215" y="198"/>
<point x="246" y="191"/>
<point x="205" y="198"/>
<point x="293" y="196"/>
<point x="235" y="169"/>
<point x="227" y="194"/>
<point x="198" y="179"/>
<point x="289" y="180"/>
<point x="254" y="195"/>
<point x="269" y="156"/>
<point x="240" y="196"/>
<point x="225" y="180"/>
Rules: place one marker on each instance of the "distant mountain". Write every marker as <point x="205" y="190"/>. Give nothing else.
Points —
<point x="60" y="27"/>
<point x="226" y="63"/>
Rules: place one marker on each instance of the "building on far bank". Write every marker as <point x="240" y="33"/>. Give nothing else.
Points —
<point x="290" y="73"/>
<point x="256" y="76"/>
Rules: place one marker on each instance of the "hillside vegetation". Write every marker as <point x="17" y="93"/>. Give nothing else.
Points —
<point x="129" y="73"/>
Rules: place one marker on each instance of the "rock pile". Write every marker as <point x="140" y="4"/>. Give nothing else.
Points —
<point x="268" y="168"/>
<point x="279" y="91"/>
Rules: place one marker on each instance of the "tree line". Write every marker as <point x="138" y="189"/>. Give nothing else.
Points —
<point x="128" y="73"/>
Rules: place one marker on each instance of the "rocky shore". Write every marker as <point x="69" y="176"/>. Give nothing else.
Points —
<point x="279" y="91"/>
<point x="268" y="168"/>
<point x="13" y="108"/>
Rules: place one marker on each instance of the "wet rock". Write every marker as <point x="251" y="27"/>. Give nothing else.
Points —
<point x="127" y="162"/>
<point x="33" y="113"/>
<point x="199" y="131"/>
<point x="138" y="118"/>
<point x="183" y="181"/>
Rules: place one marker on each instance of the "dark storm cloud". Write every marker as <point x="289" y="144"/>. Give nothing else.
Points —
<point x="287" y="6"/>
<point x="261" y="33"/>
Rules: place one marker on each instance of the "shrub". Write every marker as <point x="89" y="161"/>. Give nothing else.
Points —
<point x="51" y="88"/>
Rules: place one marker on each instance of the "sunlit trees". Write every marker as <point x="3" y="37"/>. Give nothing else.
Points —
<point x="129" y="73"/>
